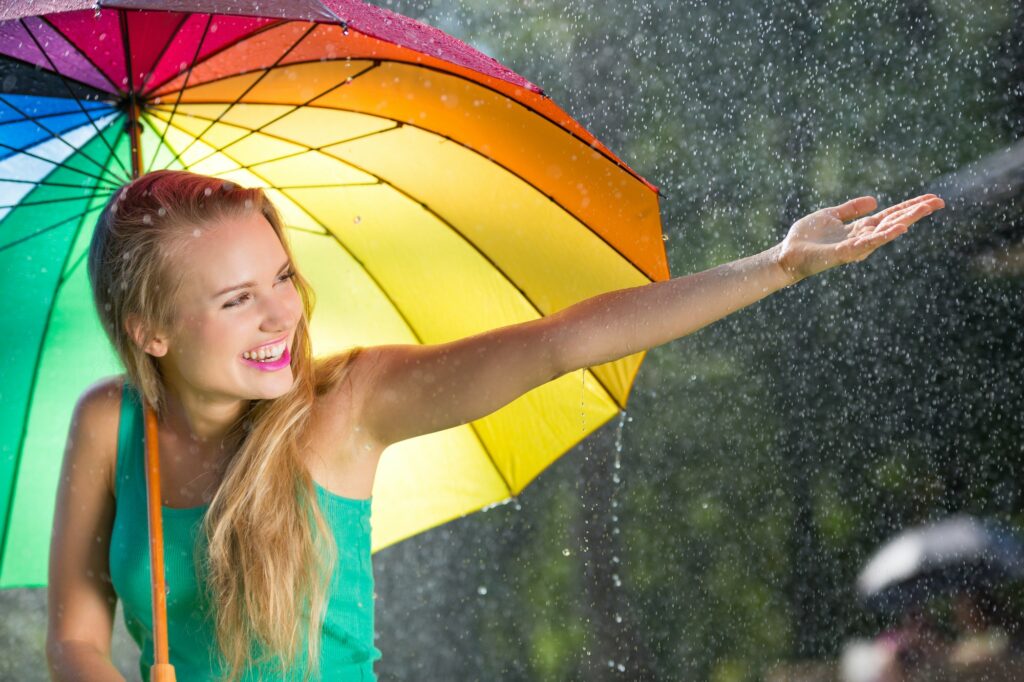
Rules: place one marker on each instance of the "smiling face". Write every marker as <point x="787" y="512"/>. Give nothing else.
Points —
<point x="237" y="299"/>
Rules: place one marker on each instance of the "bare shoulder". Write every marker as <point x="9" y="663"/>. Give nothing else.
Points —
<point x="343" y="455"/>
<point x="95" y="420"/>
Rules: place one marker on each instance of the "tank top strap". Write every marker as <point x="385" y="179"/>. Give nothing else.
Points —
<point x="130" y="440"/>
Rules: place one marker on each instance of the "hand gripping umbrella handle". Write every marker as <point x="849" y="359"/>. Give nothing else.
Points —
<point x="161" y="670"/>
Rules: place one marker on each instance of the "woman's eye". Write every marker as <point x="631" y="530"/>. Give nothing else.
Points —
<point x="237" y="301"/>
<point x="241" y="299"/>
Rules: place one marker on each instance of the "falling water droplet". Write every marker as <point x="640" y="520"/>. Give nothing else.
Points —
<point x="357" y="219"/>
<point x="481" y="590"/>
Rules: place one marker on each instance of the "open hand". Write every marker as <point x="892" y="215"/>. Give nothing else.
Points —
<point x="824" y="239"/>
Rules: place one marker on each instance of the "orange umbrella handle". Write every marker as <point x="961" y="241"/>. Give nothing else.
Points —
<point x="161" y="670"/>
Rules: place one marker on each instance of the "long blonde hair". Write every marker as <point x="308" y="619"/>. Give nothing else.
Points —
<point x="269" y="552"/>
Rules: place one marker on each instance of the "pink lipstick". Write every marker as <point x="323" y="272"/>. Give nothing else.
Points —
<point x="280" y="363"/>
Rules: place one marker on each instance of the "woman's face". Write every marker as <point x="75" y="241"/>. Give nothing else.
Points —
<point x="237" y="298"/>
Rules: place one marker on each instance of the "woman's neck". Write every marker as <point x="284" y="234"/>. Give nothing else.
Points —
<point x="207" y="426"/>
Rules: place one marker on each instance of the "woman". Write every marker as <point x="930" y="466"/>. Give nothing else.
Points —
<point x="268" y="457"/>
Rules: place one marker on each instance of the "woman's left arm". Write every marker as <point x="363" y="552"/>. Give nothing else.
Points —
<point x="410" y="390"/>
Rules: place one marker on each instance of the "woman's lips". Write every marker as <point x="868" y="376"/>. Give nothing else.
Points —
<point x="280" y="363"/>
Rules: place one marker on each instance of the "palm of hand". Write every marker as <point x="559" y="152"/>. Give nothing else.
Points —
<point x="823" y="239"/>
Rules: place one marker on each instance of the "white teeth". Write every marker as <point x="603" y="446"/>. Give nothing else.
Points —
<point x="265" y="354"/>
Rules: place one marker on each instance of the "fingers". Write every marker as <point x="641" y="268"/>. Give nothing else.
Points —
<point x="925" y="199"/>
<point x="898" y="222"/>
<point x="935" y="202"/>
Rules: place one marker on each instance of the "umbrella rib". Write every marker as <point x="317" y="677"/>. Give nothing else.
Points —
<point x="163" y="51"/>
<point x="308" y="31"/>
<point x="28" y="119"/>
<point x="54" y="135"/>
<point x="266" y="27"/>
<point x="74" y="47"/>
<point x="460" y="144"/>
<point x="250" y="132"/>
<point x="163" y="135"/>
<point x="4" y="247"/>
<point x="97" y="94"/>
<point x="607" y="154"/>
<point x="72" y="94"/>
<point x="46" y="182"/>
<point x="60" y="164"/>
<point x="48" y="201"/>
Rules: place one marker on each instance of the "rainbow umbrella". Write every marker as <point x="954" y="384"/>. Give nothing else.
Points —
<point x="429" y="193"/>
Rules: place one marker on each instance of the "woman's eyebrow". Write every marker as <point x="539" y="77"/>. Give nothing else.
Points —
<point x="246" y="284"/>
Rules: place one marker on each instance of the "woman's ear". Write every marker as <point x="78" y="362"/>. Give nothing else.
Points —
<point x="154" y="344"/>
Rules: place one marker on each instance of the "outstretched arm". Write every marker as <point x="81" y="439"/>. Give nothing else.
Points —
<point x="410" y="390"/>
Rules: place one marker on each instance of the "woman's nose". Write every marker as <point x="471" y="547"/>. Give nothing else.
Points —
<point x="282" y="311"/>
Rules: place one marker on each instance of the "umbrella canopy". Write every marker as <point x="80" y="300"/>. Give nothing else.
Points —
<point x="953" y="555"/>
<point x="429" y="194"/>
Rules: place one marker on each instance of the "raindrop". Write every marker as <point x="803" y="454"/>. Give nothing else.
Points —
<point x="161" y="211"/>
<point x="566" y="552"/>
<point x="147" y="219"/>
<point x="196" y="232"/>
<point x="207" y="192"/>
<point x="357" y="220"/>
<point x="481" y="590"/>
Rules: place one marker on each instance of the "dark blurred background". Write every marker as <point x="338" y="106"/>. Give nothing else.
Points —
<point x="715" y="530"/>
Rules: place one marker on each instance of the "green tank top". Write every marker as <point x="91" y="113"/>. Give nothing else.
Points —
<point x="347" y="649"/>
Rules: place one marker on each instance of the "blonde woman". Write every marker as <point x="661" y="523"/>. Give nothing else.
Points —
<point x="268" y="456"/>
